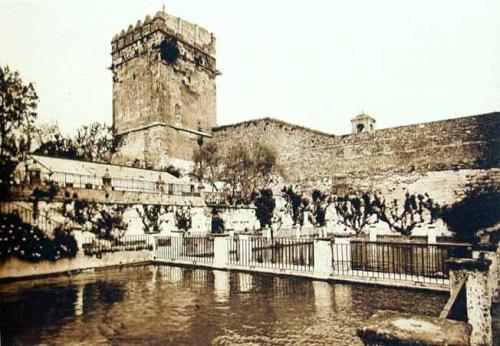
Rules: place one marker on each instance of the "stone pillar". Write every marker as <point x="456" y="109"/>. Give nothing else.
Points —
<point x="298" y="231"/>
<point x="152" y="240"/>
<point x="489" y="252"/>
<point x="341" y="254"/>
<point x="478" y="303"/>
<point x="396" y="328"/>
<point x="431" y="236"/>
<point x="176" y="244"/>
<point x="373" y="234"/>
<point x="322" y="257"/>
<point x="221" y="250"/>
<point x="266" y="232"/>
<point x="245" y="249"/>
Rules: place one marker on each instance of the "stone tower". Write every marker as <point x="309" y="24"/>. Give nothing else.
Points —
<point x="164" y="94"/>
<point x="363" y="123"/>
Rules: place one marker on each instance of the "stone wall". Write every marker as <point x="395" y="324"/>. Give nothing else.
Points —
<point x="309" y="157"/>
<point x="164" y="93"/>
<point x="14" y="268"/>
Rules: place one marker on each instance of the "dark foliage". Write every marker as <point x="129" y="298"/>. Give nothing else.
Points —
<point x="169" y="50"/>
<point x="356" y="211"/>
<point x="18" y="103"/>
<point x="105" y="221"/>
<point x="479" y="210"/>
<point x="320" y="202"/>
<point x="217" y="222"/>
<point x="94" y="142"/>
<point x="172" y="170"/>
<point x="183" y="218"/>
<point x="296" y="203"/>
<point x="43" y="193"/>
<point x="150" y="217"/>
<point x="265" y="205"/>
<point x="29" y="243"/>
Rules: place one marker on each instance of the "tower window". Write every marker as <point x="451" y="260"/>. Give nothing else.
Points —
<point x="360" y="128"/>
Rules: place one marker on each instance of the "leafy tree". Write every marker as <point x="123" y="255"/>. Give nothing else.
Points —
<point x="18" y="103"/>
<point x="104" y="220"/>
<point x="478" y="211"/>
<point x="264" y="211"/>
<point x="404" y="220"/>
<point x="183" y="218"/>
<point x="320" y="202"/>
<point x="51" y="142"/>
<point x="354" y="211"/>
<point x="243" y="169"/>
<point x="296" y="204"/>
<point x="208" y="164"/>
<point x="95" y="142"/>
<point x="151" y="217"/>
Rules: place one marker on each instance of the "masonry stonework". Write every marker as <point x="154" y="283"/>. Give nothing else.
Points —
<point x="463" y="148"/>
<point x="164" y="93"/>
<point x="163" y="89"/>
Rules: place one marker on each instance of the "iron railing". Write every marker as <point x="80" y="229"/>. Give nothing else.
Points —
<point x="27" y="215"/>
<point x="186" y="248"/>
<point x="296" y="254"/>
<point x="97" y="247"/>
<point x="415" y="262"/>
<point x="83" y="181"/>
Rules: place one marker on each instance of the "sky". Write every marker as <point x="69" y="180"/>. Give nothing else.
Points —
<point x="315" y="63"/>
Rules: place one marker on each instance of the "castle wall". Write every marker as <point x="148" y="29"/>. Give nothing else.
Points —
<point x="311" y="158"/>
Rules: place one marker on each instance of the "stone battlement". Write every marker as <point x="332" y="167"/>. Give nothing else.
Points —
<point x="186" y="32"/>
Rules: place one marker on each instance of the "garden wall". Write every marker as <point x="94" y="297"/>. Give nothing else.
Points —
<point x="14" y="268"/>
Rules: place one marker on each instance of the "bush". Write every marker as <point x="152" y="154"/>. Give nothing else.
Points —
<point x="29" y="243"/>
<point x="476" y="212"/>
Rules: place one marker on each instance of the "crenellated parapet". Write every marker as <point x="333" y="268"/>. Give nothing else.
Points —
<point x="196" y="44"/>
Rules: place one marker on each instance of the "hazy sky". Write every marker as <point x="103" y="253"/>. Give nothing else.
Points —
<point x="314" y="63"/>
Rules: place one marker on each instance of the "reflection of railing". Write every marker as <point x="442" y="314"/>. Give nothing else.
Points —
<point x="283" y="253"/>
<point x="96" y="247"/>
<point x="27" y="215"/>
<point x="186" y="248"/>
<point x="83" y="181"/>
<point x="396" y="261"/>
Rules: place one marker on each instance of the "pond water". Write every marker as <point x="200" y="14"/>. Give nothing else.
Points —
<point x="182" y="306"/>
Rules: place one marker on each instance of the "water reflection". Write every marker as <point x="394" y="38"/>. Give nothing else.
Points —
<point x="221" y="286"/>
<point x="171" y="305"/>
<point x="343" y="297"/>
<point x="245" y="282"/>
<point x="171" y="274"/>
<point x="79" y="302"/>
<point x="323" y="301"/>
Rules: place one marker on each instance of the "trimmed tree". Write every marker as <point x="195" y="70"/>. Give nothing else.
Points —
<point x="264" y="211"/>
